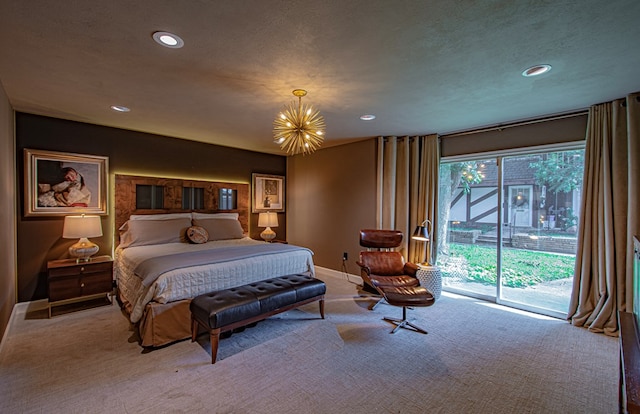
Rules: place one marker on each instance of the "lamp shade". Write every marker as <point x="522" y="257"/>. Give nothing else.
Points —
<point x="269" y="219"/>
<point x="82" y="227"/>
<point x="421" y="233"/>
<point x="76" y="227"/>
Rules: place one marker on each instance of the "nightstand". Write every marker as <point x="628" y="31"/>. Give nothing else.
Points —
<point x="70" y="281"/>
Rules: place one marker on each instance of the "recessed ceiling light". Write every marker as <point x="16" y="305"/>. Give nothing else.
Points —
<point x="167" y="39"/>
<point x="536" y="70"/>
<point x="119" y="108"/>
<point x="368" y="117"/>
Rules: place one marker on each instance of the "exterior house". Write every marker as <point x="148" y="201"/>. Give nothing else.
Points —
<point x="530" y="203"/>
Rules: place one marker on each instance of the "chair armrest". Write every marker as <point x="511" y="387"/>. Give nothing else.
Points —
<point x="364" y="268"/>
<point x="410" y="269"/>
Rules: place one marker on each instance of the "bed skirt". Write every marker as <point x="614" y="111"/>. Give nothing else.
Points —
<point x="164" y="323"/>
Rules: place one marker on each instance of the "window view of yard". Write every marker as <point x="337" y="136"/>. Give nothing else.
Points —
<point x="539" y="215"/>
<point x="524" y="269"/>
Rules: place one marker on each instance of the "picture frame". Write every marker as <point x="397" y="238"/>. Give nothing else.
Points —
<point x="61" y="183"/>
<point x="268" y="193"/>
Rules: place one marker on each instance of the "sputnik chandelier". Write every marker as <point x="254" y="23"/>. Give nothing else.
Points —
<point x="299" y="128"/>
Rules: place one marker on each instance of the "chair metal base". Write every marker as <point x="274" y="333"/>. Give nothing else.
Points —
<point x="404" y="323"/>
<point x="375" y="305"/>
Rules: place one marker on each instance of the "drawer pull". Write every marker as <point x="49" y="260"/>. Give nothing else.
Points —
<point x="82" y="269"/>
<point x="82" y="284"/>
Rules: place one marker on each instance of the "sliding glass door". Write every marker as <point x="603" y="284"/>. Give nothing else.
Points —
<point x="508" y="228"/>
<point x="468" y="217"/>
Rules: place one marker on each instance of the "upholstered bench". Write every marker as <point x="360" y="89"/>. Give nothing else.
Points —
<point x="228" y="309"/>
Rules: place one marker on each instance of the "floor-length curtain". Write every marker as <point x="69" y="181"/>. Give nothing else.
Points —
<point x="608" y="216"/>
<point x="407" y="187"/>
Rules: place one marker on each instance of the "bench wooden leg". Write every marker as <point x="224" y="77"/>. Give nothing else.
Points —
<point x="214" y="337"/>
<point x="194" y="329"/>
<point x="322" y="308"/>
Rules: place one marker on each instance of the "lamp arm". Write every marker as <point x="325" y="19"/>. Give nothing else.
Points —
<point x="428" y="242"/>
<point x="430" y="228"/>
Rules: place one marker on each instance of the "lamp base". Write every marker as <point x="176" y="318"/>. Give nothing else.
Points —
<point x="268" y="234"/>
<point x="83" y="250"/>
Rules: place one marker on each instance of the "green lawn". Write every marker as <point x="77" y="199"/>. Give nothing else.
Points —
<point x="520" y="268"/>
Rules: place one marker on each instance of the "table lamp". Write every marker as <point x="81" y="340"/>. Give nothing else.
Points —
<point x="268" y="220"/>
<point x="82" y="227"/>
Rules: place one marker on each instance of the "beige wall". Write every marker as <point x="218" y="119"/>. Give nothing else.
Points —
<point x="7" y="212"/>
<point x="548" y="132"/>
<point x="330" y="196"/>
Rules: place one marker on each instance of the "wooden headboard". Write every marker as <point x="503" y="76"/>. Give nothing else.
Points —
<point x="125" y="198"/>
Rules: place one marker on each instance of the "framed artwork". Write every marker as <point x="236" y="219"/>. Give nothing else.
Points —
<point x="268" y="193"/>
<point x="60" y="183"/>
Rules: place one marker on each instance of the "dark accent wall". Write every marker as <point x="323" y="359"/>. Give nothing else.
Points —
<point x="130" y="152"/>
<point x="7" y="213"/>
<point x="333" y="194"/>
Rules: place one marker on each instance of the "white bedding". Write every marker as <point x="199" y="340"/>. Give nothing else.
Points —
<point x="193" y="281"/>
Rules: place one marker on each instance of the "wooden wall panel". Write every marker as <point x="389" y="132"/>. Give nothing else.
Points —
<point x="125" y="197"/>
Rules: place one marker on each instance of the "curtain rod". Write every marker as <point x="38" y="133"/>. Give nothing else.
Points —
<point x="515" y="124"/>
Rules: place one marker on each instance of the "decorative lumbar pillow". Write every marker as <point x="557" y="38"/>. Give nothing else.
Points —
<point x="146" y="232"/>
<point x="197" y="234"/>
<point x="221" y="229"/>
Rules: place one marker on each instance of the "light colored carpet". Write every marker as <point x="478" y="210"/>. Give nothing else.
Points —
<point x="477" y="358"/>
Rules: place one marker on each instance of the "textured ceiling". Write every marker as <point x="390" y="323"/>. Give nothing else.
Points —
<point x="431" y="66"/>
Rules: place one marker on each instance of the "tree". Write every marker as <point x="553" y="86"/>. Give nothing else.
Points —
<point x="561" y="172"/>
<point x="452" y="176"/>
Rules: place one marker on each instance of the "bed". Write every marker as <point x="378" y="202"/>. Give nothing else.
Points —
<point x="164" y="260"/>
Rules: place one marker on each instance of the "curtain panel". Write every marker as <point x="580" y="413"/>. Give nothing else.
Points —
<point x="603" y="282"/>
<point x="407" y="180"/>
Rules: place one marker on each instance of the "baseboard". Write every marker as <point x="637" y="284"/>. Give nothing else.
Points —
<point x="20" y="309"/>
<point x="323" y="271"/>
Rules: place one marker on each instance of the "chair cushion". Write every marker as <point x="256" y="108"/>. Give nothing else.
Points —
<point x="380" y="239"/>
<point x="383" y="263"/>
<point x="408" y="296"/>
<point x="394" y="281"/>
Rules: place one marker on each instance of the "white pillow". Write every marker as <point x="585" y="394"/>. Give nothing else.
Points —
<point x="232" y="216"/>
<point x="221" y="229"/>
<point x="146" y="232"/>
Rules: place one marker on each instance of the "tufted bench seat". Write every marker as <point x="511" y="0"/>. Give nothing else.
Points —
<point x="228" y="309"/>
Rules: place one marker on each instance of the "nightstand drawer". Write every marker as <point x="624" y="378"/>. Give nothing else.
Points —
<point x="62" y="288"/>
<point x="81" y="269"/>
<point x="73" y="286"/>
<point x="94" y="283"/>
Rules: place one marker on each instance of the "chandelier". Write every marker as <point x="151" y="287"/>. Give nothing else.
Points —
<point x="298" y="128"/>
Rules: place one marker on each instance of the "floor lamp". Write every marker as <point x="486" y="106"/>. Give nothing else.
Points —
<point x="429" y="275"/>
<point x="421" y="234"/>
